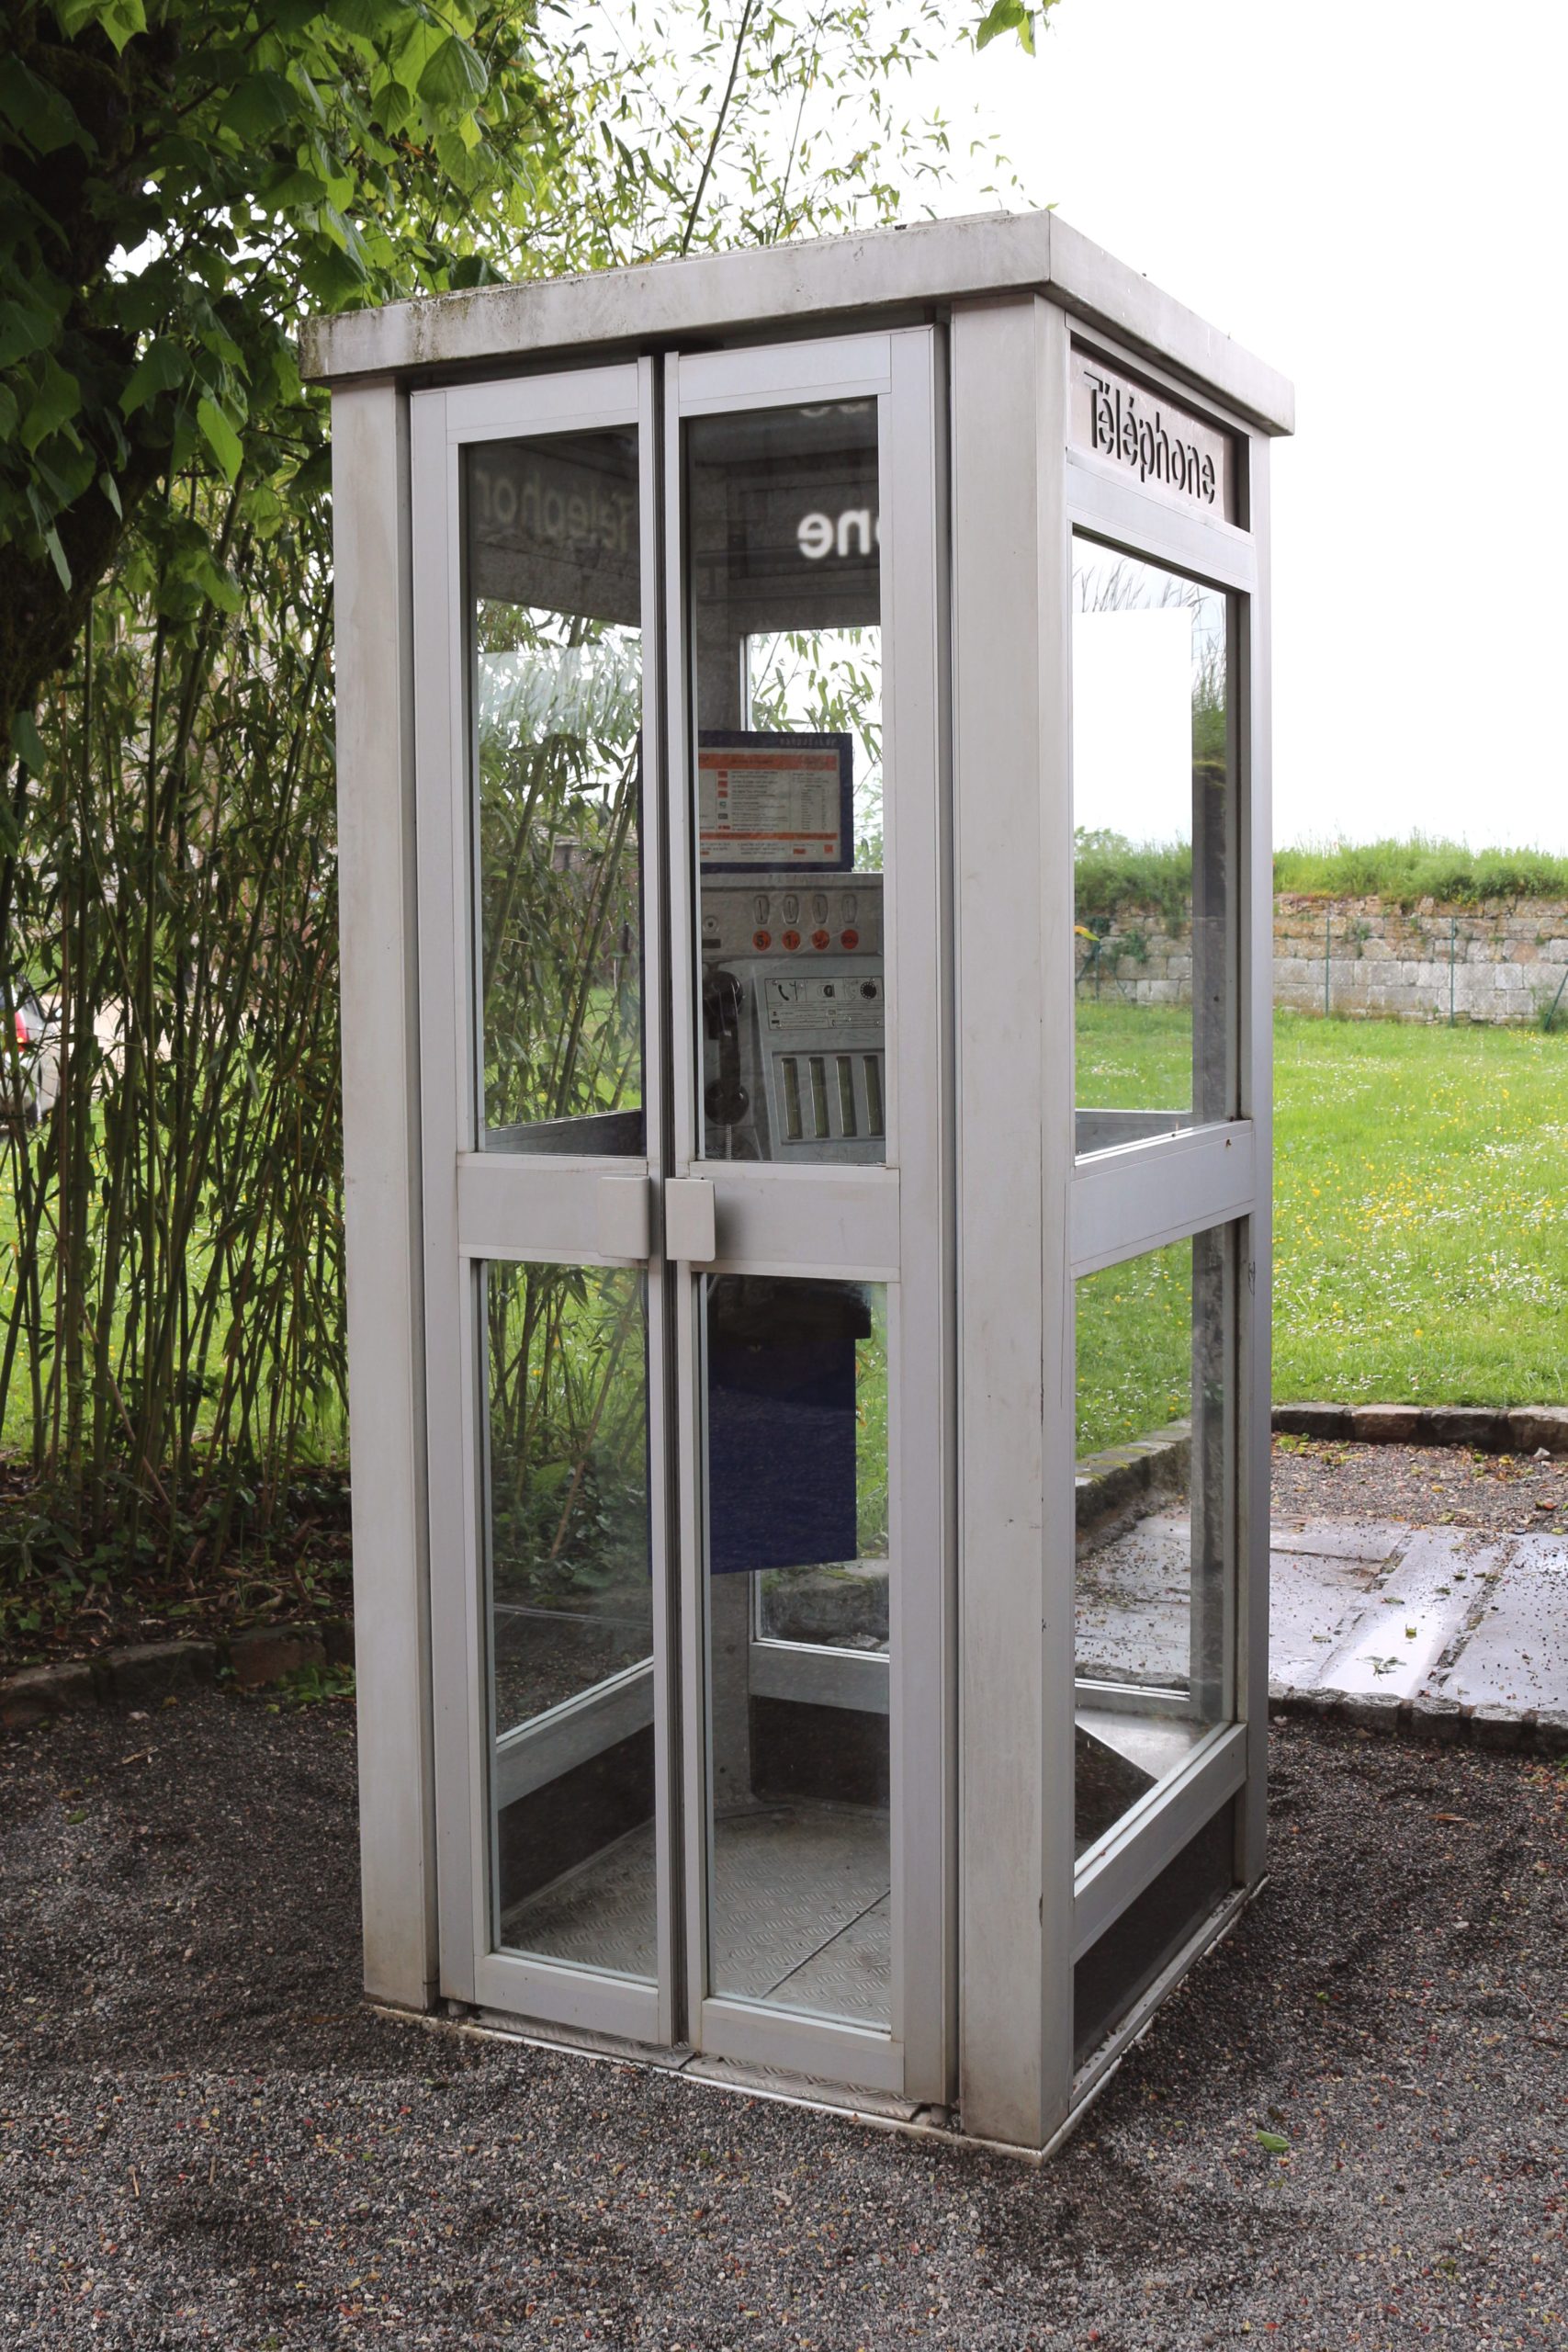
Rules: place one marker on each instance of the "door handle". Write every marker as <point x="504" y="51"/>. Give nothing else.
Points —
<point x="689" y="1224"/>
<point x="625" y="1227"/>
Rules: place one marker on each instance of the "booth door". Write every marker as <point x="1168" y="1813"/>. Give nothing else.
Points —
<point x="678" y="973"/>
<point x="804" y="1221"/>
<point x="539" y="812"/>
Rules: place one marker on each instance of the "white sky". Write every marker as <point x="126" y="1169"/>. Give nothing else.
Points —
<point x="1372" y="201"/>
<point x="1132" y="723"/>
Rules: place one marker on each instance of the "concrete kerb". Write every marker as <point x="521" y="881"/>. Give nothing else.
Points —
<point x="1434" y="1721"/>
<point x="1485" y="1429"/>
<point x="1117" y="1485"/>
<point x="149" y="1671"/>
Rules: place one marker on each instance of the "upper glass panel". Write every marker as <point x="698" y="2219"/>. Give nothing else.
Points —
<point x="785" y="606"/>
<point x="553" y="583"/>
<point x="1153" y="833"/>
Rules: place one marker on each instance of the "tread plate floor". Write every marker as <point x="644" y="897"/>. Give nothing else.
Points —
<point x="799" y="1912"/>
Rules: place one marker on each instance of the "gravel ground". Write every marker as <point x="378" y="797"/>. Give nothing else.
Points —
<point x="1437" y="1485"/>
<point x="207" y="2139"/>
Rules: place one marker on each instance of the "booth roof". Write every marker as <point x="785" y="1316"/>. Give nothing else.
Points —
<point x="882" y="276"/>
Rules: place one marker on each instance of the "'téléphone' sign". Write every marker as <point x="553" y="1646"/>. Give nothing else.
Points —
<point x="1146" y="434"/>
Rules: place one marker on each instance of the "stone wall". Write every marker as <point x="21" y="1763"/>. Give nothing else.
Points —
<point x="1508" y="959"/>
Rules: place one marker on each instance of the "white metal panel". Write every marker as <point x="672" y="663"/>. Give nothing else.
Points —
<point x="577" y="400"/>
<point x="1104" y="502"/>
<point x="585" y="2000"/>
<point x="847" y="367"/>
<point x="823" y="1221"/>
<point x="548" y="1209"/>
<point x="812" y="2046"/>
<point x="1142" y="1195"/>
<point x="381" y="1189"/>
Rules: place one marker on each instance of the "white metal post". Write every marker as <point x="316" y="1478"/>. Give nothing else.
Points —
<point x="1012" y="887"/>
<point x="1255" y="1300"/>
<point x="381" y="1187"/>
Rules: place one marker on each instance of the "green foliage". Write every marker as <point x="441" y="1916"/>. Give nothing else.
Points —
<point x="559" y="714"/>
<point x="1115" y="874"/>
<point x="308" y="1686"/>
<point x="171" y="1340"/>
<point x="568" y="1435"/>
<point x="1420" y="867"/>
<point x="1110" y="873"/>
<point x="180" y="181"/>
<point x="1134" y="1348"/>
<point x="175" y="177"/>
<point x="1420" y="1204"/>
<point x="829" y="682"/>
<point x="1012" y="17"/>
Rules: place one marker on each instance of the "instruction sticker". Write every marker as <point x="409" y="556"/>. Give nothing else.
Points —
<point x="770" y="801"/>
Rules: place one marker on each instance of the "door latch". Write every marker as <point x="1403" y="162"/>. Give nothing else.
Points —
<point x="689" y="1224"/>
<point x="622" y="1220"/>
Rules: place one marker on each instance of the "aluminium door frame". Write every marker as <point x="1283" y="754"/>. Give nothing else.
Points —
<point x="482" y="1207"/>
<point x="889" y="1223"/>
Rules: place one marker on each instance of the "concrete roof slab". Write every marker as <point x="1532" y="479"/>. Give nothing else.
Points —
<point x="912" y="271"/>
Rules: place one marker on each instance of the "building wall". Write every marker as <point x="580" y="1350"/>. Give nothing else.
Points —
<point x="1503" y="961"/>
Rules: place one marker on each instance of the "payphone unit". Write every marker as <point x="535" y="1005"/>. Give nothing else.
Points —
<point x="794" y="974"/>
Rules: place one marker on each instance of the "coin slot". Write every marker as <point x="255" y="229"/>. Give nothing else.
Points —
<point x="819" y="1068"/>
<point x="873" y="1095"/>
<point x="846" y="1096"/>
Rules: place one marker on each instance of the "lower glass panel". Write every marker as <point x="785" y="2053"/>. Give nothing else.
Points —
<point x="571" y="1769"/>
<point x="799" y="1869"/>
<point x="1156" y="1480"/>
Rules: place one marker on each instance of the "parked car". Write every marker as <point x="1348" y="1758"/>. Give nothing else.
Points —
<point x="36" y="1062"/>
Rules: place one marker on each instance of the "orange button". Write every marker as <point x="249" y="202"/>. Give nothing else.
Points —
<point x="760" y="939"/>
<point x="819" y="939"/>
<point x="850" y="939"/>
<point x="791" y="940"/>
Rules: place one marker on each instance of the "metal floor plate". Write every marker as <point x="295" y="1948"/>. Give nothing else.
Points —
<point x="799" y="1910"/>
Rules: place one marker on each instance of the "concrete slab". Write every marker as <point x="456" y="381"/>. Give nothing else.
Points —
<point x="1315" y="1600"/>
<point x="1516" y="1656"/>
<point x="1359" y="1610"/>
<point x="1340" y="1539"/>
<point x="1133" y="1594"/>
<point x="1413" y="1614"/>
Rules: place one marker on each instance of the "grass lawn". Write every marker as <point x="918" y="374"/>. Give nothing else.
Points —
<point x="1421" y="1202"/>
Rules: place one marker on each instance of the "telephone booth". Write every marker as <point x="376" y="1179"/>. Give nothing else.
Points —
<point x="807" y="1201"/>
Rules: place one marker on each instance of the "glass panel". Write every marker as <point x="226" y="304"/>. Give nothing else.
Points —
<point x="570" y="1615"/>
<point x="1154" y="1482"/>
<point x="796" y="1395"/>
<point x="783" y="536"/>
<point x="1152" y="776"/>
<point x="551" y="529"/>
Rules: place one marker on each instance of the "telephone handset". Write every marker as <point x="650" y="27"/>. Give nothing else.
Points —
<point x="724" y="1098"/>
